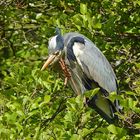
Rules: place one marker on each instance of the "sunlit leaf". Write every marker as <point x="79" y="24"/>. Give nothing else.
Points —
<point x="83" y="8"/>
<point x="91" y="93"/>
<point x="47" y="98"/>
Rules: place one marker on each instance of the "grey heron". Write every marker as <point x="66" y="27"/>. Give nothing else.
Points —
<point x="85" y="68"/>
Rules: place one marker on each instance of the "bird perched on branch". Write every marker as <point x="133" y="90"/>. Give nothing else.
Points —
<point x="85" y="67"/>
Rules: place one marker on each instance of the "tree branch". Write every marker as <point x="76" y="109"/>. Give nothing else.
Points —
<point x="59" y="109"/>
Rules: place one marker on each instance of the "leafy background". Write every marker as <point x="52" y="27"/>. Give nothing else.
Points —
<point x="35" y="104"/>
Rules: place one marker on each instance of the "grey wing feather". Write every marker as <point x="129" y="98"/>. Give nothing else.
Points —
<point x="89" y="56"/>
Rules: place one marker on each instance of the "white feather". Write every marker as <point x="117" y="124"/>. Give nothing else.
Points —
<point x="52" y="44"/>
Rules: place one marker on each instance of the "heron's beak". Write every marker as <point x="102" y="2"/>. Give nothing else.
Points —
<point x="49" y="60"/>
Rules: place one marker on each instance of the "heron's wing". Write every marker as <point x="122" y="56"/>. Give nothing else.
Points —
<point x="93" y="63"/>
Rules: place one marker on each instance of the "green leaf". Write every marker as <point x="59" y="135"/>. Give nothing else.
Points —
<point x="38" y="15"/>
<point x="34" y="112"/>
<point x="75" y="137"/>
<point x="129" y="103"/>
<point x="137" y="136"/>
<point x="98" y="25"/>
<point x="129" y="93"/>
<point x="137" y="125"/>
<point x="91" y="93"/>
<point x="47" y="98"/>
<point x="138" y="65"/>
<point x="112" y="129"/>
<point x="113" y="96"/>
<point x="83" y="8"/>
<point x="77" y="19"/>
<point x="120" y="132"/>
<point x="86" y="131"/>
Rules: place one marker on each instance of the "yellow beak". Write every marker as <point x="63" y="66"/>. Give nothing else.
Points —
<point x="49" y="60"/>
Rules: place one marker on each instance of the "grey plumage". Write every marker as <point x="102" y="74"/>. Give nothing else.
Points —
<point x="93" y="63"/>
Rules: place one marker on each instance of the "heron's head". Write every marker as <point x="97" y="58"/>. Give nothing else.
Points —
<point x="55" y="49"/>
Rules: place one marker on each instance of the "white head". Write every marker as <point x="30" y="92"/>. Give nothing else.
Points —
<point x="55" y="48"/>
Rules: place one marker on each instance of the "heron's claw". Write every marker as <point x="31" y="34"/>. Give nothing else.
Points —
<point x="65" y="70"/>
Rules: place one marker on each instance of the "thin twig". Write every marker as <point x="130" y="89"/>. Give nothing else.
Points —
<point x="59" y="109"/>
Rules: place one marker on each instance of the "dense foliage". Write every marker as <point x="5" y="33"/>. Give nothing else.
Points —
<point x="35" y="104"/>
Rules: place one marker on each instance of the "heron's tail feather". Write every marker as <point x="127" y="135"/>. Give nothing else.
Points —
<point x="104" y="107"/>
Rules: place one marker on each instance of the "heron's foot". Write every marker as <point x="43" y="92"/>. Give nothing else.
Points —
<point x="65" y="70"/>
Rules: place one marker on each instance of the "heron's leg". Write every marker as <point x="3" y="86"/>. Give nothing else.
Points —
<point x="65" y="70"/>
